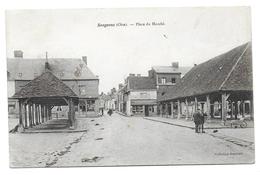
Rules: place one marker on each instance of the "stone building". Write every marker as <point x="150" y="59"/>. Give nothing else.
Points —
<point x="138" y="97"/>
<point x="75" y="73"/>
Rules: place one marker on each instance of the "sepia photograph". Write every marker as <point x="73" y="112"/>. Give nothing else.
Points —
<point x="96" y="87"/>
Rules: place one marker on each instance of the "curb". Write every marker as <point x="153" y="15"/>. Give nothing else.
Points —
<point x="224" y="127"/>
<point x="169" y="123"/>
<point x="120" y="113"/>
<point x="54" y="131"/>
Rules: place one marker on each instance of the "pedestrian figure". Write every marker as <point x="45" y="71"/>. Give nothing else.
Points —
<point x="197" y="120"/>
<point x="110" y="112"/>
<point x="102" y="111"/>
<point x="202" y="120"/>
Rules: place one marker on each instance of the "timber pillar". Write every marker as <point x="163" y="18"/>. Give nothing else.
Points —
<point x="30" y="115"/>
<point x="224" y="98"/>
<point x="208" y="105"/>
<point x="25" y="116"/>
<point x="21" y="126"/>
<point x="172" y="110"/>
<point x="179" y="109"/>
<point x="187" y="108"/>
<point x="196" y="104"/>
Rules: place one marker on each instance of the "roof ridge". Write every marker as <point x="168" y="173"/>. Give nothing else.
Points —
<point x="233" y="68"/>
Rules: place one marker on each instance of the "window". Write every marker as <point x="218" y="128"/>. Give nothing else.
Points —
<point x="137" y="109"/>
<point x="173" y="80"/>
<point x="20" y="74"/>
<point x="82" y="90"/>
<point x="59" y="108"/>
<point x="163" y="80"/>
<point x="90" y="105"/>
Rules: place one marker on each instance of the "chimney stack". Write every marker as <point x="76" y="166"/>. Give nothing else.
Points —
<point x="85" y="59"/>
<point x="120" y="86"/>
<point x="131" y="75"/>
<point x="18" y="54"/>
<point x="138" y="75"/>
<point x="175" y="65"/>
<point x="47" y="65"/>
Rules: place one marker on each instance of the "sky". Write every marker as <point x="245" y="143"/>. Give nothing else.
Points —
<point x="187" y="35"/>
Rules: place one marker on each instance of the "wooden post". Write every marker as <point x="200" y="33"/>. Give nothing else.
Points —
<point x="244" y="108"/>
<point x="69" y="113"/>
<point x="172" y="109"/>
<point x="49" y="112"/>
<point x="251" y="109"/>
<point x="196" y="104"/>
<point x="36" y="114"/>
<point x="33" y="115"/>
<point x="39" y="114"/>
<point x="187" y="108"/>
<point x="232" y="110"/>
<point x="208" y="105"/>
<point x="20" y="114"/>
<point x="73" y="113"/>
<point x="30" y="115"/>
<point x="46" y="112"/>
<point x="161" y="112"/>
<point x="236" y="109"/>
<point x="223" y="107"/>
<point x="42" y="113"/>
<point x="179" y="109"/>
<point x="166" y="110"/>
<point x="25" y="115"/>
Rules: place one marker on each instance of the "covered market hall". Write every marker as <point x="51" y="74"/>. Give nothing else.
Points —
<point x="221" y="87"/>
<point x="39" y="96"/>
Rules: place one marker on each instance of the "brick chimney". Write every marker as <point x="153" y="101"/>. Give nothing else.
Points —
<point x="120" y="86"/>
<point x="85" y="59"/>
<point x="175" y="65"/>
<point x="18" y="54"/>
<point x="131" y="75"/>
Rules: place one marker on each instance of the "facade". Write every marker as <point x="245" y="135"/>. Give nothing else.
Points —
<point x="111" y="101"/>
<point x="138" y="96"/>
<point x="167" y="75"/>
<point x="221" y="87"/>
<point x="73" y="72"/>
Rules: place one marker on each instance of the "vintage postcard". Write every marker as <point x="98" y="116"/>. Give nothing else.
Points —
<point x="130" y="86"/>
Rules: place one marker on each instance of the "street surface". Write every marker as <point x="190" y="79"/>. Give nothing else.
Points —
<point x="119" y="140"/>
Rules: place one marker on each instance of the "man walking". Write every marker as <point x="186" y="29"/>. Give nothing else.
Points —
<point x="197" y="120"/>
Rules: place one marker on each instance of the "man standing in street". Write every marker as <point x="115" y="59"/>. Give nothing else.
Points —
<point x="197" y="120"/>
<point x="202" y="120"/>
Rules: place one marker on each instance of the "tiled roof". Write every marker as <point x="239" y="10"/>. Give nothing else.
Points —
<point x="141" y="83"/>
<point x="65" y="69"/>
<point x="46" y="85"/>
<point x="170" y="69"/>
<point x="231" y="71"/>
